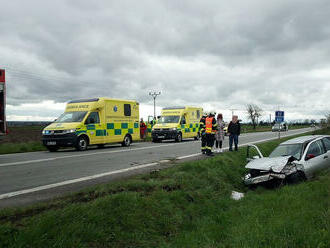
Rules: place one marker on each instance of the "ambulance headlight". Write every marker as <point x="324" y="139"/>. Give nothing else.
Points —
<point x="45" y="132"/>
<point x="69" y="131"/>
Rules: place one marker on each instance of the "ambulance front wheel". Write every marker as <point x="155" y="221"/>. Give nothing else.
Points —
<point x="52" y="148"/>
<point x="127" y="141"/>
<point x="178" y="137"/>
<point x="82" y="143"/>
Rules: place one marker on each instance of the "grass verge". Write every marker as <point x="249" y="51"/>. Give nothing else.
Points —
<point x="8" y="148"/>
<point x="187" y="205"/>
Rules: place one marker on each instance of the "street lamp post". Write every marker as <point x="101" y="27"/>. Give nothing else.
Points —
<point x="154" y="95"/>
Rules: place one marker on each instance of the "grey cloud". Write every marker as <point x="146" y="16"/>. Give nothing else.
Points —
<point x="196" y="52"/>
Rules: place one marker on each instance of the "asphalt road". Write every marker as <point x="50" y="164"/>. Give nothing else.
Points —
<point x="30" y="177"/>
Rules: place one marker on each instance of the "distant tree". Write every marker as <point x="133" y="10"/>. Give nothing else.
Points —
<point x="306" y="122"/>
<point x="327" y="117"/>
<point x="254" y="113"/>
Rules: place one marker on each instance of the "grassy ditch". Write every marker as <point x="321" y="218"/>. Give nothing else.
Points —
<point x="8" y="148"/>
<point x="22" y="139"/>
<point x="187" y="205"/>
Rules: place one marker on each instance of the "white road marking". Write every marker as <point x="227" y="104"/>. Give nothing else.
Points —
<point x="188" y="156"/>
<point x="87" y="154"/>
<point x="241" y="145"/>
<point x="50" y="186"/>
<point x="54" y="185"/>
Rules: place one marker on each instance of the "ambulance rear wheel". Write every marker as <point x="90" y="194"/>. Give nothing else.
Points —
<point x="82" y="143"/>
<point x="198" y="136"/>
<point x="178" y="137"/>
<point x="127" y="141"/>
<point x="52" y="148"/>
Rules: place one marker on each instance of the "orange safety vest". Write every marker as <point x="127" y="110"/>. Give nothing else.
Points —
<point x="209" y="124"/>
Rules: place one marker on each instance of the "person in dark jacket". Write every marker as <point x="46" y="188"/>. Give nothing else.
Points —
<point x="234" y="130"/>
<point x="202" y="132"/>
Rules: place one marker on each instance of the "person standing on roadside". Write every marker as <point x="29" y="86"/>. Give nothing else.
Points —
<point x="234" y="130"/>
<point x="219" y="135"/>
<point x="143" y="129"/>
<point x="210" y="129"/>
<point x="202" y="132"/>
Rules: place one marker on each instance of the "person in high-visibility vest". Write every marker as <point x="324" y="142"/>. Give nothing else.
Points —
<point x="210" y="130"/>
<point x="202" y="132"/>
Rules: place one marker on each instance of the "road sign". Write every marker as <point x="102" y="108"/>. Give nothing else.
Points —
<point x="279" y="116"/>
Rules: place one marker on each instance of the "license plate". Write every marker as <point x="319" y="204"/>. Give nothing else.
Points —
<point x="161" y="137"/>
<point x="51" y="143"/>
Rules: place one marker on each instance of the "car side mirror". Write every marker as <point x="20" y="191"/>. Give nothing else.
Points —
<point x="310" y="156"/>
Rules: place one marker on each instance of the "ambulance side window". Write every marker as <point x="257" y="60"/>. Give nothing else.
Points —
<point x="183" y="120"/>
<point x="127" y="109"/>
<point x="93" y="118"/>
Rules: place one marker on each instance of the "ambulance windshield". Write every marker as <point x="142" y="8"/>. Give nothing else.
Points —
<point x="68" y="117"/>
<point x="169" y="119"/>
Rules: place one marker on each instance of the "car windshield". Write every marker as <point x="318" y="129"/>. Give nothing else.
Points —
<point x="294" y="150"/>
<point x="169" y="119"/>
<point x="67" y="117"/>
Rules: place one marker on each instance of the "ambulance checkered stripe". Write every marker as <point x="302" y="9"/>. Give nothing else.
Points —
<point x="122" y="128"/>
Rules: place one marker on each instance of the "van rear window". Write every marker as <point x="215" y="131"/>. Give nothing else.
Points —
<point x="127" y="109"/>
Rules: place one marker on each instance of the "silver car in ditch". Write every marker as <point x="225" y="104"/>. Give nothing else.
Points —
<point x="293" y="160"/>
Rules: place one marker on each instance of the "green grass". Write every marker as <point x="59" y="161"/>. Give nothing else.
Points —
<point x="8" y="148"/>
<point x="187" y="205"/>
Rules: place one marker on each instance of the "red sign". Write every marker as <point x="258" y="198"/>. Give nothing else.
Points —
<point x="2" y="76"/>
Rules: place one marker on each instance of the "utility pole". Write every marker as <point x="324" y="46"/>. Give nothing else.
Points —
<point x="154" y="95"/>
<point x="232" y="112"/>
<point x="270" y="119"/>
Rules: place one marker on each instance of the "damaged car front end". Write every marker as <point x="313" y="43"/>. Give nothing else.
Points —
<point x="275" y="169"/>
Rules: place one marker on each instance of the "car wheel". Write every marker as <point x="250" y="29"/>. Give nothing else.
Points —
<point x="52" y="148"/>
<point x="127" y="141"/>
<point x="178" y="137"/>
<point x="296" y="177"/>
<point x="82" y="143"/>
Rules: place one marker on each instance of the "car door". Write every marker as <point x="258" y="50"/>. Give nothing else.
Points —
<point x="314" y="158"/>
<point x="326" y="143"/>
<point x="183" y="124"/>
<point x="94" y="128"/>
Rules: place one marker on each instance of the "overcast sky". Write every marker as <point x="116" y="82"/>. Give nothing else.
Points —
<point x="217" y="54"/>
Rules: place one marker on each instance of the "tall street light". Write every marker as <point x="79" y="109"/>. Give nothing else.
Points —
<point x="154" y="95"/>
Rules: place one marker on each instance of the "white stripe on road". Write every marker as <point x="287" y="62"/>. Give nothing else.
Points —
<point x="110" y="152"/>
<point x="245" y="144"/>
<point x="87" y="154"/>
<point x="82" y="179"/>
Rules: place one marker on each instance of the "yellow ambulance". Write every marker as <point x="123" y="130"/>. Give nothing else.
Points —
<point x="96" y="121"/>
<point x="177" y="123"/>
